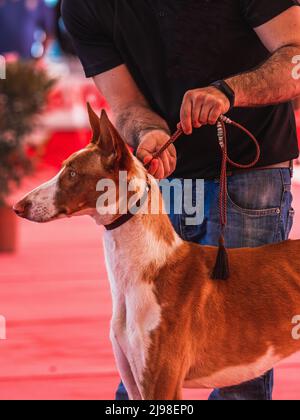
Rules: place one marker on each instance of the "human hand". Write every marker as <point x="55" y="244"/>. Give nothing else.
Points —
<point x="151" y="143"/>
<point x="201" y="107"/>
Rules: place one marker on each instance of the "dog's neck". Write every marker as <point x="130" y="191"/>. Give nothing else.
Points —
<point x="142" y="245"/>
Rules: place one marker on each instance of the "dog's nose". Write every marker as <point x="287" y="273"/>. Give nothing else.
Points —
<point x="21" y="209"/>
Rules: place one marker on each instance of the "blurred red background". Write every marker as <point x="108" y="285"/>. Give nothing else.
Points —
<point x="54" y="292"/>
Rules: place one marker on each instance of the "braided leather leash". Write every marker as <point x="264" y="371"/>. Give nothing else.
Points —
<point x="221" y="269"/>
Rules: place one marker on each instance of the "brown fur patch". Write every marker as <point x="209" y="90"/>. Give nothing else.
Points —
<point x="209" y="326"/>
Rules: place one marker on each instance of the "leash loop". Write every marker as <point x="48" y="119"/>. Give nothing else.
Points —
<point x="221" y="270"/>
<point x="223" y="141"/>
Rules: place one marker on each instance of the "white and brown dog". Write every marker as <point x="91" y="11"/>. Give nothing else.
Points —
<point x="173" y="326"/>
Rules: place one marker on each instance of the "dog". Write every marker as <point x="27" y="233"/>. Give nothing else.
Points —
<point x="172" y="326"/>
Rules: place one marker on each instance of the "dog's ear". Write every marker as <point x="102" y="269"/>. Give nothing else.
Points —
<point x="114" y="150"/>
<point x="95" y="123"/>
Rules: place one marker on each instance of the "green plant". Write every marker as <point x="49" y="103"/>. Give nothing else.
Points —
<point x="22" y="96"/>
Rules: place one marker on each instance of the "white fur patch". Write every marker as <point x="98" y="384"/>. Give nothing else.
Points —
<point x="236" y="375"/>
<point x="143" y="316"/>
<point x="43" y="200"/>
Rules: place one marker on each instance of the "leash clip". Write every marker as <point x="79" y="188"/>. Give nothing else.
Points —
<point x="220" y="132"/>
<point x="225" y="119"/>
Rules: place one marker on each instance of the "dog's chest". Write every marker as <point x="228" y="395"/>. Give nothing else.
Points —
<point x="136" y="315"/>
<point x="136" y="312"/>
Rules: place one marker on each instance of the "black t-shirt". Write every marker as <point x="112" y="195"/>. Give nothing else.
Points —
<point x="172" y="46"/>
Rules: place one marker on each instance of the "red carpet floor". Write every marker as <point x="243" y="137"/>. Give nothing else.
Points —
<point x="55" y="296"/>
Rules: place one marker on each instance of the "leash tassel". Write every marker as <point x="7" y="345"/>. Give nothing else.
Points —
<point x="221" y="269"/>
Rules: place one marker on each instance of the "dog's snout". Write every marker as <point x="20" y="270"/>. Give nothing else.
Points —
<point x="22" y="208"/>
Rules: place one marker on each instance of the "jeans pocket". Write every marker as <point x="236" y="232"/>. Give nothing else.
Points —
<point x="255" y="207"/>
<point x="257" y="193"/>
<point x="252" y="212"/>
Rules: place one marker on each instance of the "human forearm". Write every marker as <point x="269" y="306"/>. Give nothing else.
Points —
<point x="131" y="112"/>
<point x="140" y="126"/>
<point x="271" y="83"/>
<point x="136" y="120"/>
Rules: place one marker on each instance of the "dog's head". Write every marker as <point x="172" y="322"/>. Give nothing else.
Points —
<point x="74" y="190"/>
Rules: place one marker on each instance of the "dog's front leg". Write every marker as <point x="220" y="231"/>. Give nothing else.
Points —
<point x="125" y="369"/>
<point x="164" y="383"/>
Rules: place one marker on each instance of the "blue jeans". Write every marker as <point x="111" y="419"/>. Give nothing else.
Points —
<point x="259" y="213"/>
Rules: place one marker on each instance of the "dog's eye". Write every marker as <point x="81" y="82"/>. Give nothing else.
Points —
<point x="73" y="174"/>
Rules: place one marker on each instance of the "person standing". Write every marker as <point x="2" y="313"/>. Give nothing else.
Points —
<point x="161" y="61"/>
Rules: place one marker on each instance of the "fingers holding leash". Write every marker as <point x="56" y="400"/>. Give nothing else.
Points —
<point x="202" y="107"/>
<point x="152" y="143"/>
